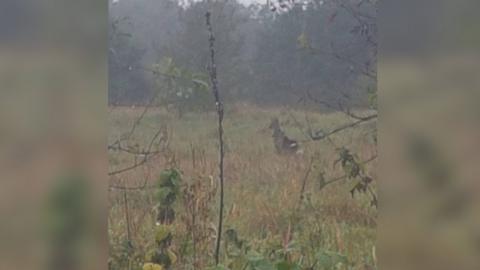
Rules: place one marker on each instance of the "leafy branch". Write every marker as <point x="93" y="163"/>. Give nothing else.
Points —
<point x="353" y="170"/>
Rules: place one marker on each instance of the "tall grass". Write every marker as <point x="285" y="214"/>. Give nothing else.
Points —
<point x="262" y="188"/>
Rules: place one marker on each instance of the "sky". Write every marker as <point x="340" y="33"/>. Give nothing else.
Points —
<point x="247" y="2"/>
<point x="253" y="1"/>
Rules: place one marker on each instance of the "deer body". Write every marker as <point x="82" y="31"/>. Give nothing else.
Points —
<point x="283" y="144"/>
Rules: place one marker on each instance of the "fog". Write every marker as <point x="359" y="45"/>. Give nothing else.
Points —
<point x="273" y="55"/>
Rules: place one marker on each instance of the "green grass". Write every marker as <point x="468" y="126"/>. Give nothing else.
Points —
<point x="262" y="188"/>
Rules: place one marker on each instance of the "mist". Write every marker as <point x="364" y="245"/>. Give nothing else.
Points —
<point x="266" y="54"/>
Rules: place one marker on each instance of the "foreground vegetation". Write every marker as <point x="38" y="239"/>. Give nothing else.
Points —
<point x="282" y="211"/>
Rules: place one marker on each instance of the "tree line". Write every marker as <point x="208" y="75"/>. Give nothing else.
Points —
<point x="268" y="54"/>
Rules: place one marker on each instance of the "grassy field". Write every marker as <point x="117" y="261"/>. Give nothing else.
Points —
<point x="265" y="217"/>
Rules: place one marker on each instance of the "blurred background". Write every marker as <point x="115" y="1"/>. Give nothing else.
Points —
<point x="53" y="76"/>
<point x="429" y="94"/>
<point x="53" y="107"/>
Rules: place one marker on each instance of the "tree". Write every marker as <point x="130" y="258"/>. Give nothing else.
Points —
<point x="181" y="88"/>
<point x="187" y="49"/>
<point x="127" y="84"/>
<point x="135" y="44"/>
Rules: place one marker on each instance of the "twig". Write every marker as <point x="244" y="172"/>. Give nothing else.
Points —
<point x="139" y="119"/>
<point x="192" y="147"/>
<point x="145" y="158"/>
<point x="127" y="219"/>
<point x="117" y="145"/>
<point x="304" y="182"/>
<point x="364" y="70"/>
<point x="219" y="106"/>
<point x="316" y="137"/>
<point x="298" y="124"/>
<point x="127" y="136"/>
<point x="310" y="132"/>
<point x="339" y="107"/>
<point x="158" y="73"/>
<point x="349" y="113"/>
<point x="143" y="186"/>
<point x="336" y="179"/>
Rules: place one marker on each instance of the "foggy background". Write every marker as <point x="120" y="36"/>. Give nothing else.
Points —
<point x="264" y="57"/>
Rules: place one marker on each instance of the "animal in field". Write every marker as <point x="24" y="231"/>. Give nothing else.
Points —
<point x="282" y="143"/>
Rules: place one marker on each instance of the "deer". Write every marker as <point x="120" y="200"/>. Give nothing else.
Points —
<point x="283" y="144"/>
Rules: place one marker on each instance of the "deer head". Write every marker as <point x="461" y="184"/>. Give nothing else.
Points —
<point x="274" y="124"/>
<point x="277" y="130"/>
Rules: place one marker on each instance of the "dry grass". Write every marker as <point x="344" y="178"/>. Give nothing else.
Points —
<point x="262" y="188"/>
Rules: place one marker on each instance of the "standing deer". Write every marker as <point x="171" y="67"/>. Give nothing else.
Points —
<point x="283" y="144"/>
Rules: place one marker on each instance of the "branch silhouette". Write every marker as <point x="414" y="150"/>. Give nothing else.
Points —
<point x="220" y="112"/>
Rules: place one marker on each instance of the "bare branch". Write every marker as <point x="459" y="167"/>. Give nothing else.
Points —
<point x="139" y="119"/>
<point x="127" y="217"/>
<point x="359" y="67"/>
<point x="349" y="113"/>
<point x="304" y="182"/>
<point x="339" y="107"/>
<point x="320" y="136"/>
<point x="299" y="125"/>
<point x="140" y="187"/>
<point x="146" y="155"/>
<point x="219" y="106"/>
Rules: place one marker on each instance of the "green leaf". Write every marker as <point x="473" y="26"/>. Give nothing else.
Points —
<point x="303" y="41"/>
<point x="169" y="178"/>
<point x="254" y="256"/>
<point x="152" y="266"/>
<point x="165" y="196"/>
<point x="262" y="264"/>
<point x="330" y="260"/>
<point x="285" y="265"/>
<point x="257" y="262"/>
<point x="218" y="267"/>
<point x="162" y="233"/>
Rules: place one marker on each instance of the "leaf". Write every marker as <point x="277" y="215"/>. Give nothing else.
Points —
<point x="170" y="179"/>
<point x="321" y="180"/>
<point x="149" y="256"/>
<point x="330" y="260"/>
<point x="258" y="262"/>
<point x="172" y="256"/>
<point x="162" y="233"/>
<point x="358" y="187"/>
<point x="165" y="179"/>
<point x="254" y="256"/>
<point x="285" y="265"/>
<point x="218" y="267"/>
<point x="262" y="264"/>
<point x="165" y="196"/>
<point x="152" y="266"/>
<point x="303" y="41"/>
<point x="201" y="82"/>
